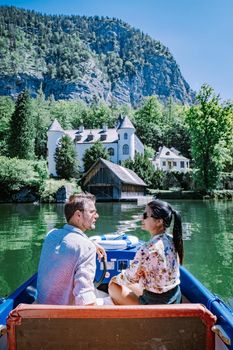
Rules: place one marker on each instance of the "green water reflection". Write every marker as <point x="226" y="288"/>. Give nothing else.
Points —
<point x="208" y="234"/>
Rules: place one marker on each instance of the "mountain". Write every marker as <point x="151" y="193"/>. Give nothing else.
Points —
<point x="87" y="58"/>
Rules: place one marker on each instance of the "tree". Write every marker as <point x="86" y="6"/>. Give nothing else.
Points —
<point x="70" y="114"/>
<point x="149" y="152"/>
<point x="65" y="158"/>
<point x="16" y="174"/>
<point x="148" y="122"/>
<point x="177" y="136"/>
<point x="22" y="129"/>
<point x="42" y="120"/>
<point x="93" y="153"/>
<point x="175" y="130"/>
<point x="142" y="166"/>
<point x="100" y="114"/>
<point x="6" y="110"/>
<point x="209" y="123"/>
<point x="227" y="144"/>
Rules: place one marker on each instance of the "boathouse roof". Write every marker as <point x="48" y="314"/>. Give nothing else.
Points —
<point x="125" y="175"/>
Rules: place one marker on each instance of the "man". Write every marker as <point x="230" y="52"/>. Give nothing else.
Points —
<point x="68" y="259"/>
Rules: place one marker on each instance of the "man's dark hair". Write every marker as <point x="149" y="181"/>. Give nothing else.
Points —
<point x="77" y="202"/>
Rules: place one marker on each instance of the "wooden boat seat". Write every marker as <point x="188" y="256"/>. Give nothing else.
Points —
<point x="170" y="327"/>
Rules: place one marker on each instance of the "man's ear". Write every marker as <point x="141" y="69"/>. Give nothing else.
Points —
<point x="77" y="213"/>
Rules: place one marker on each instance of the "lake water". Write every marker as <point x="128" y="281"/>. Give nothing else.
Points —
<point x="208" y="234"/>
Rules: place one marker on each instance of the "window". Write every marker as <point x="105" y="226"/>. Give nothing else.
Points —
<point x="125" y="136"/>
<point x="187" y="164"/>
<point x="167" y="153"/>
<point x="174" y="163"/>
<point x="182" y="164"/>
<point x="111" y="151"/>
<point x="164" y="163"/>
<point x="125" y="149"/>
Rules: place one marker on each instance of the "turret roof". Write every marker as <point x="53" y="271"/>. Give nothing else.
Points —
<point x="125" y="123"/>
<point x="55" y="126"/>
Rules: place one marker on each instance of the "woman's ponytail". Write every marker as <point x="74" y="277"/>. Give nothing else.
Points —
<point x="177" y="235"/>
<point x="162" y="210"/>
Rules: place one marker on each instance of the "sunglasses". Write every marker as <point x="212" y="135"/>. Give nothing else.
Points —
<point x="145" y="216"/>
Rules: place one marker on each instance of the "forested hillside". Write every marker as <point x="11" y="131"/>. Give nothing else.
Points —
<point x="87" y="58"/>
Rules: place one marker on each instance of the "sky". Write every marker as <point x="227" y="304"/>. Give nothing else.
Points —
<point x="198" y="33"/>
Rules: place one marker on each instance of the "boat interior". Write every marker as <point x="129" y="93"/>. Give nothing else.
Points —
<point x="201" y="321"/>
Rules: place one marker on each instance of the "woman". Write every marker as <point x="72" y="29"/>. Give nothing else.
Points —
<point x="156" y="264"/>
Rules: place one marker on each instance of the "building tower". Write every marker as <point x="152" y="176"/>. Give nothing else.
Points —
<point x="55" y="133"/>
<point x="126" y="140"/>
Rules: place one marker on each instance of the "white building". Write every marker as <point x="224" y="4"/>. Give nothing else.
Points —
<point x="121" y="142"/>
<point x="170" y="160"/>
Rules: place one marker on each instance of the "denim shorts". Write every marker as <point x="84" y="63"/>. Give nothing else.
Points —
<point x="173" y="296"/>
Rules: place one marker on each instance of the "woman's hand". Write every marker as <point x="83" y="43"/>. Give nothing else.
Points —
<point x="112" y="280"/>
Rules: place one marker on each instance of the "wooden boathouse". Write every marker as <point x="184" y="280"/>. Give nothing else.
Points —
<point x="109" y="181"/>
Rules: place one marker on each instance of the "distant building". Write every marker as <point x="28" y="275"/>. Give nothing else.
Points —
<point x="109" y="181"/>
<point x="121" y="142"/>
<point x="170" y="160"/>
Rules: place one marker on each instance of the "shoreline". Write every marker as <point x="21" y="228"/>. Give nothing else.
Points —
<point x="160" y="194"/>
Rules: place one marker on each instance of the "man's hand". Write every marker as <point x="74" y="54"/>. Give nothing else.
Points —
<point x="100" y="251"/>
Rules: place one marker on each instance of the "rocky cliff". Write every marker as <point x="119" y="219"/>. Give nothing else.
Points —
<point x="87" y="58"/>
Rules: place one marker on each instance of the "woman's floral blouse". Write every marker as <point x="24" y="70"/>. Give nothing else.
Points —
<point x="155" y="266"/>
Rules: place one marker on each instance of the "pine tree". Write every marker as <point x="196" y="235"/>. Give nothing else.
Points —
<point x="42" y="120"/>
<point x="65" y="158"/>
<point x="22" y="129"/>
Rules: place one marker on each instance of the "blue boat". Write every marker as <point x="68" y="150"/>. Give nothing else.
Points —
<point x="183" y="323"/>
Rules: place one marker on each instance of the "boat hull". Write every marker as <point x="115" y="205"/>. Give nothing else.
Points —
<point x="192" y="290"/>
